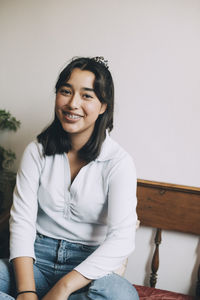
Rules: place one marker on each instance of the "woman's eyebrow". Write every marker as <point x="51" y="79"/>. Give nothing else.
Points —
<point x="67" y="85"/>
<point x="84" y="88"/>
<point x="88" y="89"/>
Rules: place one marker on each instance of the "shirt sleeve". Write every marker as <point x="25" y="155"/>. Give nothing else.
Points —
<point x="122" y="219"/>
<point x="25" y="205"/>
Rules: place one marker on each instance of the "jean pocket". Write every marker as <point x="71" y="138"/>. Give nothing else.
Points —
<point x="89" y="248"/>
<point x="39" y="236"/>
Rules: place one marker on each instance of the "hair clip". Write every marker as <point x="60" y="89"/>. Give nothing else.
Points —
<point x="101" y="60"/>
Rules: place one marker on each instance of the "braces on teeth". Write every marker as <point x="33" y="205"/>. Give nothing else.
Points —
<point x="73" y="116"/>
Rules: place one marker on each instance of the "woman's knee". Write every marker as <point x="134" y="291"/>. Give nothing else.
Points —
<point x="112" y="287"/>
<point x="4" y="296"/>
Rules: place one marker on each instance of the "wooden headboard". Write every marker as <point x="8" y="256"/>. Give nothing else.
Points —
<point x="169" y="207"/>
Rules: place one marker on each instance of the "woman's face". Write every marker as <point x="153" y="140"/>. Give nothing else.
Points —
<point x="77" y="106"/>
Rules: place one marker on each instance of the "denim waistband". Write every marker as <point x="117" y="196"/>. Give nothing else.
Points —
<point x="64" y="243"/>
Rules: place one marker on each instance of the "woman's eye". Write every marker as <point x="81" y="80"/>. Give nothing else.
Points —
<point x="87" y="96"/>
<point x="65" y="92"/>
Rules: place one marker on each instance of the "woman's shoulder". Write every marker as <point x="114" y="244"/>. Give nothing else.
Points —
<point x="34" y="148"/>
<point x="32" y="157"/>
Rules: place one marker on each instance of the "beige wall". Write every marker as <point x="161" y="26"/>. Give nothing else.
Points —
<point x="153" y="51"/>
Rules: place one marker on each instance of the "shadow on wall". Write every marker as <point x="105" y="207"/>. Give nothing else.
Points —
<point x="148" y="264"/>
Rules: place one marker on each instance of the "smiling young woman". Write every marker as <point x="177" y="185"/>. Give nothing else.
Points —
<point x="73" y="218"/>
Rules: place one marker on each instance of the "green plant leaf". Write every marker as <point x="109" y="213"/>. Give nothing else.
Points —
<point x="7" y="121"/>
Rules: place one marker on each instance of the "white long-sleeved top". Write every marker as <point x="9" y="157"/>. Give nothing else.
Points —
<point x="97" y="208"/>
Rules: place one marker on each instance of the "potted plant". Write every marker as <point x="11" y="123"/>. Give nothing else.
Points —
<point x="7" y="157"/>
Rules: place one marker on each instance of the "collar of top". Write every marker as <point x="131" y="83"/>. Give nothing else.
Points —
<point x="109" y="149"/>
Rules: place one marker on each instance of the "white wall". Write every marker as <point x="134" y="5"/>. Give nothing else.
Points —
<point x="153" y="50"/>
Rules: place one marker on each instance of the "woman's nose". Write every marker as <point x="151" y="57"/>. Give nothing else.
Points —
<point x="74" y="101"/>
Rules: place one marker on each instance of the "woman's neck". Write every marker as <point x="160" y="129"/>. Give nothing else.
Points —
<point x="78" y="141"/>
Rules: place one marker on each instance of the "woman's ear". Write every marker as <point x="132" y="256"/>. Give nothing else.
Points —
<point x="103" y="108"/>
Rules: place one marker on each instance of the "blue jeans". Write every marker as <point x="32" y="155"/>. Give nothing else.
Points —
<point x="54" y="259"/>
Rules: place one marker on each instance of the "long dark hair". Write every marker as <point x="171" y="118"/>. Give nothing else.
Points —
<point x="55" y="139"/>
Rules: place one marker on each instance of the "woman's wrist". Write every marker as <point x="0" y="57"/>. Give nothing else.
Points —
<point x="64" y="287"/>
<point x="58" y="291"/>
<point x="27" y="296"/>
<point x="73" y="281"/>
<point x="26" y="292"/>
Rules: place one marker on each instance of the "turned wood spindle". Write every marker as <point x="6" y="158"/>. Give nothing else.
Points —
<point x="155" y="259"/>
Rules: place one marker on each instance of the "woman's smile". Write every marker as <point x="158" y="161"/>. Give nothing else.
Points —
<point x="71" y="117"/>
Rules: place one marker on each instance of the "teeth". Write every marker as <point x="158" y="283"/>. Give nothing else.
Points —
<point x="72" y="116"/>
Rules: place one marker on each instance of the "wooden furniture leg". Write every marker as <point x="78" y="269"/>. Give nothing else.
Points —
<point x="155" y="259"/>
